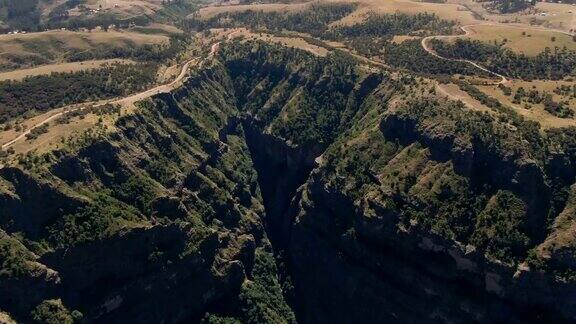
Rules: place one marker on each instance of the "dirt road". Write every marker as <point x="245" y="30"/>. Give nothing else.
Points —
<point x="216" y="46"/>
<point x="467" y="32"/>
<point x="126" y="101"/>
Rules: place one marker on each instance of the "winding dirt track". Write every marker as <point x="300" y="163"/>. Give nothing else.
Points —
<point x="126" y="101"/>
<point x="214" y="48"/>
<point x="122" y="101"/>
<point x="467" y="32"/>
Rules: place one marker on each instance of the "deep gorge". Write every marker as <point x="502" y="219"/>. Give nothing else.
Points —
<point x="276" y="187"/>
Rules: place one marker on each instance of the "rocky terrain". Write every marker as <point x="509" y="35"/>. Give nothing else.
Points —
<point x="275" y="186"/>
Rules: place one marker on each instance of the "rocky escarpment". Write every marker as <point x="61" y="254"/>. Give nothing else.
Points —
<point x="282" y="168"/>
<point x="422" y="202"/>
<point x="169" y="202"/>
<point x="158" y="220"/>
<point x="422" y="220"/>
<point x="405" y="274"/>
<point x="481" y="157"/>
<point x="273" y="176"/>
<point x="153" y="260"/>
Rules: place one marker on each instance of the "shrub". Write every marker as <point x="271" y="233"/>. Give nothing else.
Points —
<point x="52" y="311"/>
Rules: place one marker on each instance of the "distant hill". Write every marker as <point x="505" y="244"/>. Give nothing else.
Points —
<point x="36" y="15"/>
<point x="19" y="14"/>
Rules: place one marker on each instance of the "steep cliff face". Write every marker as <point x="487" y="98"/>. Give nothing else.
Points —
<point x="158" y="220"/>
<point x="271" y="168"/>
<point x="282" y="168"/>
<point x="425" y="218"/>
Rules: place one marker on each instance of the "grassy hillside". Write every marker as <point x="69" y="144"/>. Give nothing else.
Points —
<point x="38" y="15"/>
<point x="21" y="51"/>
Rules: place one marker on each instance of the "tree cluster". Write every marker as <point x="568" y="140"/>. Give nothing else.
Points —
<point x="45" y="92"/>
<point x="553" y="64"/>
<point x="313" y="20"/>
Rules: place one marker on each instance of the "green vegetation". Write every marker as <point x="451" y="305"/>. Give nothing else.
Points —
<point x="145" y="53"/>
<point x="13" y="257"/>
<point x="371" y="37"/>
<point x="385" y="26"/>
<point x="314" y="20"/>
<point x="101" y="218"/>
<point x="559" y="109"/>
<point x="411" y="56"/>
<point x="532" y="96"/>
<point x="417" y="169"/>
<point x="486" y="100"/>
<point x="566" y="90"/>
<point x="37" y="131"/>
<point x="313" y="113"/>
<point x="215" y="319"/>
<point x="42" y="93"/>
<point x="21" y="14"/>
<point x="138" y="191"/>
<point x="27" y="15"/>
<point x="57" y="49"/>
<point x="176" y="188"/>
<point x="52" y="312"/>
<point x="103" y="20"/>
<point x="509" y="6"/>
<point x="551" y="64"/>
<point x="527" y="128"/>
<point x="261" y="298"/>
<point x="499" y="227"/>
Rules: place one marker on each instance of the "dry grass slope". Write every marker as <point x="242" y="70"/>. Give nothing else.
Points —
<point x="209" y="12"/>
<point x="51" y="46"/>
<point x="530" y="41"/>
<point x="62" y="67"/>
